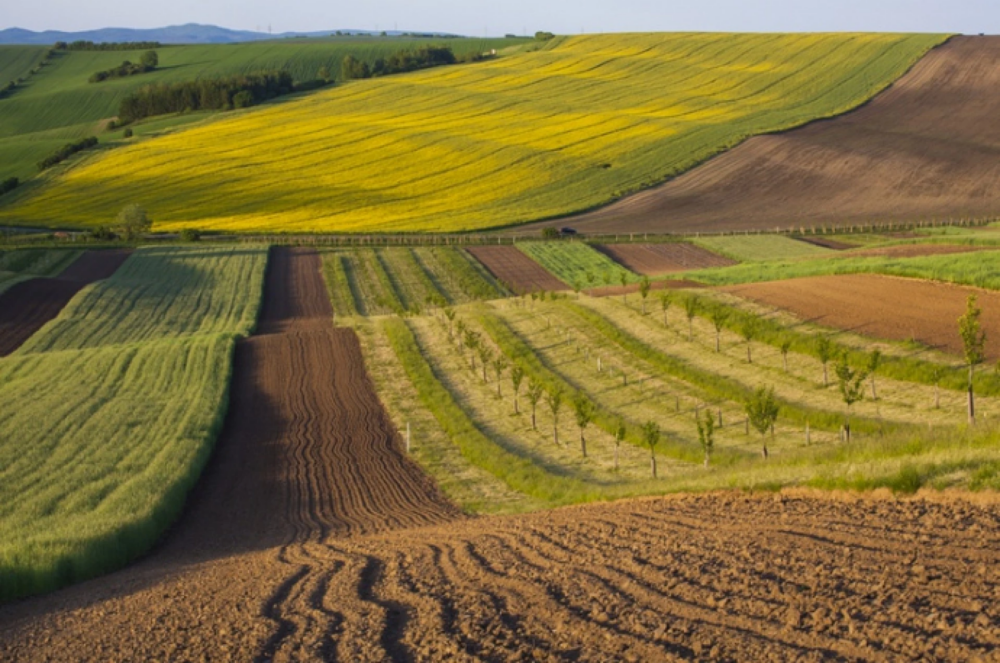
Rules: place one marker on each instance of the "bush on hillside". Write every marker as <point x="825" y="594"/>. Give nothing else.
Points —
<point x="66" y="151"/>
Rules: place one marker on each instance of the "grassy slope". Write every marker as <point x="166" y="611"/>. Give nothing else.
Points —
<point x="757" y="248"/>
<point x="576" y="263"/>
<point x="567" y="127"/>
<point x="58" y="104"/>
<point x="17" y="61"/>
<point x="133" y="376"/>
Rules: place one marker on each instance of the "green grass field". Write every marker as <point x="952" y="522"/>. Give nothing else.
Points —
<point x="759" y="248"/>
<point x="112" y="411"/>
<point x="569" y="126"/>
<point x="577" y="264"/>
<point x="58" y="105"/>
<point x="24" y="264"/>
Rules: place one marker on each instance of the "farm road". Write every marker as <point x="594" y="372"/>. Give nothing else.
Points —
<point x="313" y="538"/>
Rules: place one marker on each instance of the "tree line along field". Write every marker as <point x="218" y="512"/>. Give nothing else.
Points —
<point x="58" y="104"/>
<point x="486" y="145"/>
<point x="112" y="410"/>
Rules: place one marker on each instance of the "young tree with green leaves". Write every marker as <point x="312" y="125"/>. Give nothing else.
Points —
<point x="651" y="436"/>
<point x="762" y="409"/>
<point x="974" y="345"/>
<point x="449" y="314"/>
<point x="584" y="410"/>
<point x="749" y="329"/>
<point x="852" y="388"/>
<point x="785" y="346"/>
<point x="589" y="275"/>
<point x="874" y="361"/>
<point x="485" y="357"/>
<point x="691" y="305"/>
<point x="665" y="305"/>
<point x="133" y="222"/>
<point x="719" y="317"/>
<point x="499" y="364"/>
<point x="576" y="287"/>
<point x="535" y="392"/>
<point x="472" y="342"/>
<point x="623" y="279"/>
<point x="620" y="432"/>
<point x="516" y="377"/>
<point x="460" y="329"/>
<point x="824" y="350"/>
<point x="706" y="434"/>
<point x="554" y="400"/>
<point x="644" y="286"/>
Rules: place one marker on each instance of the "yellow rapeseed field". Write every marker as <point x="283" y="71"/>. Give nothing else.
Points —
<point x="567" y="127"/>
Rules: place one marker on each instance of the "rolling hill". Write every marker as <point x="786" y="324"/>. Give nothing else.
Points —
<point x="570" y="126"/>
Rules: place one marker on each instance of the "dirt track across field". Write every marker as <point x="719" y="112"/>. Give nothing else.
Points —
<point x="26" y="306"/>
<point x="882" y="306"/>
<point x="519" y="272"/>
<point x="927" y="148"/>
<point x="312" y="537"/>
<point x="658" y="259"/>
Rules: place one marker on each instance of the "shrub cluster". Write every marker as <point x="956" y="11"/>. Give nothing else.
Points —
<point x="148" y="63"/>
<point x="66" y="151"/>
<point x="8" y="184"/>
<point x="397" y="63"/>
<point x="82" y="45"/>
<point x="207" y="94"/>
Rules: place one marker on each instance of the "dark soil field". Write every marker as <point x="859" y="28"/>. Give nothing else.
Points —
<point x="519" y="272"/>
<point x="658" y="259"/>
<point x="26" y="306"/>
<point x="882" y="306"/>
<point x="927" y="148"/>
<point x="313" y="537"/>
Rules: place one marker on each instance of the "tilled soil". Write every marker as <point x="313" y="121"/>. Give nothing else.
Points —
<point x="519" y="272"/>
<point x="882" y="306"/>
<point x="312" y="537"/>
<point x="26" y="306"/>
<point x="927" y="148"/>
<point x="657" y="259"/>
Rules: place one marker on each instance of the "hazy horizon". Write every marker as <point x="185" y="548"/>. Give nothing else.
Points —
<point x="520" y="16"/>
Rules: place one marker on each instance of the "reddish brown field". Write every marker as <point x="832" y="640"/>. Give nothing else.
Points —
<point x="313" y="537"/>
<point x="882" y="306"/>
<point x="927" y="148"/>
<point x="658" y="259"/>
<point x="26" y="306"/>
<point x="519" y="272"/>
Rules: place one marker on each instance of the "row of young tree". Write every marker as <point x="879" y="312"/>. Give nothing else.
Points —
<point x="147" y="63"/>
<point x="397" y="63"/>
<point x="66" y="151"/>
<point x="239" y="91"/>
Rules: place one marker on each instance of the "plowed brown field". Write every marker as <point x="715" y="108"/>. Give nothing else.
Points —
<point x="657" y="259"/>
<point x="519" y="272"/>
<point x="28" y="305"/>
<point x="927" y="148"/>
<point x="312" y="537"/>
<point x="882" y="306"/>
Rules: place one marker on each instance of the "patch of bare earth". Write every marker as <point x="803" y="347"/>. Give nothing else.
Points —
<point x="519" y="272"/>
<point x="659" y="259"/>
<point x="882" y="306"/>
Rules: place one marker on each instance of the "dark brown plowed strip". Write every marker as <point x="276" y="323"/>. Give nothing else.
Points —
<point x="26" y="306"/>
<point x="927" y="148"/>
<point x="657" y="259"/>
<point x="519" y="272"/>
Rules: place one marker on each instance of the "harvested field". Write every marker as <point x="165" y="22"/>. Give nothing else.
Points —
<point x="27" y="306"/>
<point x="927" y="148"/>
<point x="718" y="577"/>
<point x="658" y="259"/>
<point x="882" y="306"/>
<point x="917" y="250"/>
<point x="519" y="272"/>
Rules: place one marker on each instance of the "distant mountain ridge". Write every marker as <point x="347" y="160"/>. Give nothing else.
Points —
<point x="191" y="33"/>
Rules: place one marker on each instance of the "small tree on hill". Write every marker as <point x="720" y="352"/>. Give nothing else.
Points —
<point x="535" y="392"/>
<point x="874" y="361"/>
<point x="449" y="314"/>
<point x="785" y="346"/>
<point x="472" y="342"/>
<point x="644" y="286"/>
<point x="324" y="74"/>
<point x="706" y="434"/>
<point x="690" y="310"/>
<point x="583" y="408"/>
<point x="620" y="432"/>
<point x="719" y="318"/>
<point x="749" y="330"/>
<point x="762" y="411"/>
<point x="150" y="59"/>
<point x="651" y="436"/>
<point x="589" y="275"/>
<point x="623" y="279"/>
<point x="485" y="357"/>
<point x="852" y="388"/>
<point x="133" y="221"/>
<point x="499" y="366"/>
<point x="974" y="344"/>
<point x="577" y="287"/>
<point x="824" y="350"/>
<point x="516" y="377"/>
<point x="665" y="305"/>
<point x="554" y="400"/>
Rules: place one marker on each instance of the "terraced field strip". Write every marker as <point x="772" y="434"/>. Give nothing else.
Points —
<point x="566" y="127"/>
<point x="577" y="264"/>
<point x="883" y="307"/>
<point x="113" y="409"/>
<point x="659" y="259"/>
<point x="520" y="273"/>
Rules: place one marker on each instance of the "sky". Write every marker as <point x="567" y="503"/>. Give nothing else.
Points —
<point x="497" y="17"/>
